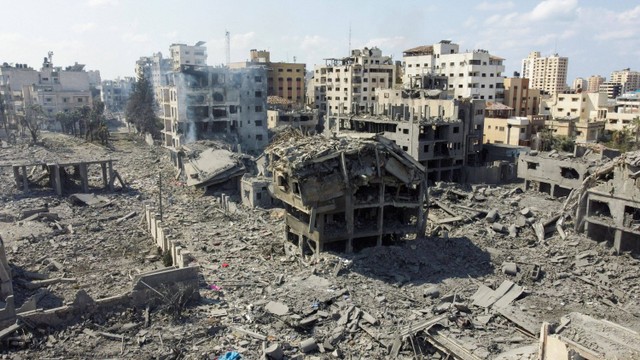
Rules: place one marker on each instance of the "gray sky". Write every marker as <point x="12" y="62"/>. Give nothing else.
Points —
<point x="109" y="35"/>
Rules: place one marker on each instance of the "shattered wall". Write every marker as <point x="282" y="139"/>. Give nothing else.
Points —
<point x="610" y="210"/>
<point x="346" y="194"/>
<point x="556" y="176"/>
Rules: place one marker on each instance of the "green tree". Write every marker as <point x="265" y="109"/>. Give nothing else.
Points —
<point x="139" y="110"/>
<point x="32" y="120"/>
<point x="95" y="121"/>
<point x="636" y="128"/>
<point x="621" y="140"/>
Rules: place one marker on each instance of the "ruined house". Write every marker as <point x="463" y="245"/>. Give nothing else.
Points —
<point x="609" y="203"/>
<point x="345" y="194"/>
<point x="558" y="173"/>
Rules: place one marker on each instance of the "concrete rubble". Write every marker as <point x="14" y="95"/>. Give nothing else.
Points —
<point x="450" y="293"/>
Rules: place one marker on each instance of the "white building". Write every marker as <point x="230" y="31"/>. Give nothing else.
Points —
<point x="476" y="74"/>
<point x="347" y="85"/>
<point x="627" y="108"/>
<point x="579" y="84"/>
<point x="547" y="73"/>
<point x="182" y="54"/>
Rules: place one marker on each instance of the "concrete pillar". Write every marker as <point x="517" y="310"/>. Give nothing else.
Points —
<point x="105" y="180"/>
<point x="156" y="223"/>
<point x="57" y="181"/>
<point x="160" y="238"/>
<point x="25" y="179"/>
<point x="16" y="176"/>
<point x="617" y="241"/>
<point x="84" y="176"/>
<point x="110" y="170"/>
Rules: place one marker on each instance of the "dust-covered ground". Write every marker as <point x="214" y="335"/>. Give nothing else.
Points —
<point x="254" y="296"/>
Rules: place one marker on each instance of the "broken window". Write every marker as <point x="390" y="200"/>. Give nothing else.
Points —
<point x="569" y="173"/>
<point x="599" y="208"/>
<point x="258" y="122"/>
<point x="532" y="165"/>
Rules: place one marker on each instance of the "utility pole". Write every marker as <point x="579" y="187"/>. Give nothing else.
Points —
<point x="227" y="36"/>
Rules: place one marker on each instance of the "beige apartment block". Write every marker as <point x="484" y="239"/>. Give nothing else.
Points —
<point x="630" y="80"/>
<point x="546" y="73"/>
<point x="594" y="82"/>
<point x="519" y="96"/>
<point x="347" y="85"/>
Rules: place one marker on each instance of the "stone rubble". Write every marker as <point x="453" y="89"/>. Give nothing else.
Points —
<point x="409" y="300"/>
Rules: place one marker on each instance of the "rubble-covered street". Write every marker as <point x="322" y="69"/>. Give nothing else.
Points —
<point x="499" y="264"/>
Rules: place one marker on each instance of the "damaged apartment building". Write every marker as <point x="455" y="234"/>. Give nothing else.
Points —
<point x="345" y="194"/>
<point x="206" y="102"/>
<point x="606" y="191"/>
<point x="443" y="135"/>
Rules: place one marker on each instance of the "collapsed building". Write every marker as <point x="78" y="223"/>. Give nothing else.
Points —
<point x="609" y="203"/>
<point x="345" y="194"/>
<point x="605" y="192"/>
<point x="443" y="135"/>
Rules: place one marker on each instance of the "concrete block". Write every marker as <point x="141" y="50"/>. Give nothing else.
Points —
<point x="492" y="216"/>
<point x="274" y="352"/>
<point x="308" y="345"/>
<point x="432" y="292"/>
<point x="510" y="268"/>
<point x="277" y="308"/>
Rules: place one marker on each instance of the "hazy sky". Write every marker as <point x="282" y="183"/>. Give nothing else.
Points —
<point x="109" y="35"/>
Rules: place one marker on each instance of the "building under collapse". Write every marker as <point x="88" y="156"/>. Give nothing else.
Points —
<point x="345" y="194"/>
<point x="203" y="102"/>
<point x="609" y="203"/>
<point x="443" y="135"/>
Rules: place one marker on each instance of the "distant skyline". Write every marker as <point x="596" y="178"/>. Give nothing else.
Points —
<point x="598" y="37"/>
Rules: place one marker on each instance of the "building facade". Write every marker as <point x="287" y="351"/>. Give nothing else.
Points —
<point x="594" y="82"/>
<point x="630" y="80"/>
<point x="521" y="97"/>
<point x="476" y="74"/>
<point x="583" y="114"/>
<point x="284" y="79"/>
<point x="182" y="54"/>
<point x="115" y="93"/>
<point x="441" y="134"/>
<point x="611" y="88"/>
<point x="202" y="102"/>
<point x="546" y="73"/>
<point x="347" y="85"/>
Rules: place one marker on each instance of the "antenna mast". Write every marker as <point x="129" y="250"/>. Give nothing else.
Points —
<point x="227" y="49"/>
<point x="349" y="39"/>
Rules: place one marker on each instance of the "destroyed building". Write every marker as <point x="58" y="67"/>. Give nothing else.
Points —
<point x="345" y="194"/>
<point x="304" y="120"/>
<point x="609" y="205"/>
<point x="204" y="102"/>
<point x="444" y="135"/>
<point x="207" y="164"/>
<point x="553" y="173"/>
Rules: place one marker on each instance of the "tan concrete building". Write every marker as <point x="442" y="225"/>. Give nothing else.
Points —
<point x="548" y="73"/>
<point x="501" y="127"/>
<point x="630" y="80"/>
<point x="594" y="82"/>
<point x="580" y="115"/>
<point x="611" y="89"/>
<point x="519" y="96"/>
<point x="284" y="79"/>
